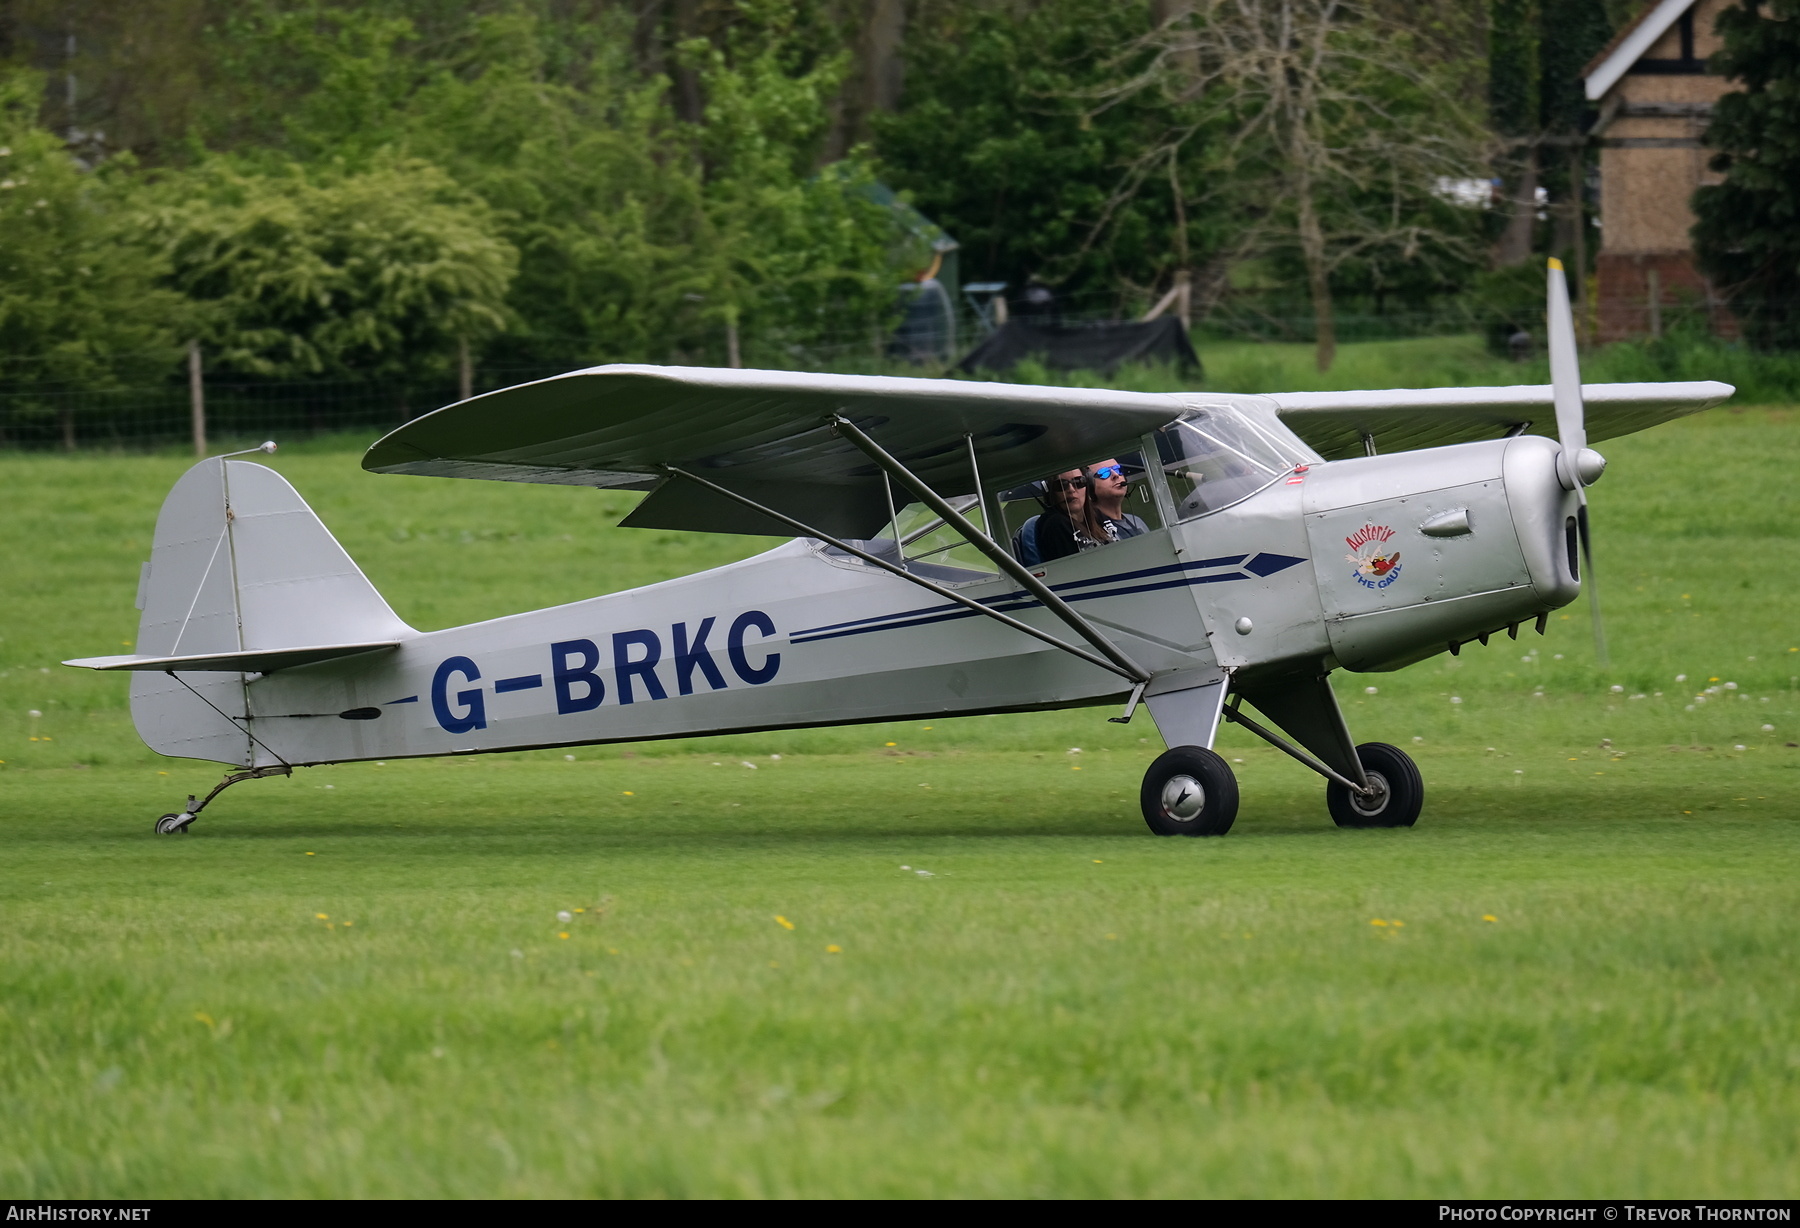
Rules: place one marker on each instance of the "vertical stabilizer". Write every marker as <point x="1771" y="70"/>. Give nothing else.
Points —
<point x="239" y="563"/>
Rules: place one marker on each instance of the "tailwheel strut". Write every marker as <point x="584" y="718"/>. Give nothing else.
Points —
<point x="177" y="824"/>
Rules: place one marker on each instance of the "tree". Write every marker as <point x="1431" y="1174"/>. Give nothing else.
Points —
<point x="1339" y="133"/>
<point x="1514" y="109"/>
<point x="640" y="234"/>
<point x="809" y="257"/>
<point x="308" y="272"/>
<point x="1747" y="236"/>
<point x="1536" y="52"/>
<point x="80" y="308"/>
<point x="1008" y="137"/>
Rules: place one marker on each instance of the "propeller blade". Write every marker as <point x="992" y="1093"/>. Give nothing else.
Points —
<point x="1590" y="580"/>
<point x="1565" y="368"/>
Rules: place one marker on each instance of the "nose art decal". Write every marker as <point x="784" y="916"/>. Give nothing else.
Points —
<point x="1373" y="563"/>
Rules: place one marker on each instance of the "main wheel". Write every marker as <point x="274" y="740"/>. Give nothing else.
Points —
<point x="1189" y="791"/>
<point x="1399" y="790"/>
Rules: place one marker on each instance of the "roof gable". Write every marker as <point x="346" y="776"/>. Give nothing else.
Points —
<point x="1630" y="44"/>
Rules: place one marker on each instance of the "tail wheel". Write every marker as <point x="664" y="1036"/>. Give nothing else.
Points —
<point x="1399" y="790"/>
<point x="1189" y="791"/>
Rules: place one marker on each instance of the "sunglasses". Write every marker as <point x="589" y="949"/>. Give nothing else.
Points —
<point x="1070" y="483"/>
<point x="1109" y="471"/>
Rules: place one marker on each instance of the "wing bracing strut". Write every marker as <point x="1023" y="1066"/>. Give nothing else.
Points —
<point x="806" y="530"/>
<point x="1121" y="664"/>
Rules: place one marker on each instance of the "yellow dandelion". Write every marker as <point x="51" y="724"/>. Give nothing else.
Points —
<point x="203" y="1017"/>
<point x="348" y="924"/>
<point x="834" y="949"/>
<point x="1488" y="916"/>
<point x="581" y="910"/>
<point x="1398" y="924"/>
<point x="890" y="744"/>
<point x="321" y="915"/>
<point x="784" y="923"/>
<point x="629" y="793"/>
<point x="312" y="854"/>
<point x="1074" y="769"/>
<point x="564" y="934"/>
<point x="1376" y="921"/>
<point x="1098" y="862"/>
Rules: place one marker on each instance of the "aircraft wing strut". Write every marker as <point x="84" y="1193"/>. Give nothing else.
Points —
<point x="1123" y="665"/>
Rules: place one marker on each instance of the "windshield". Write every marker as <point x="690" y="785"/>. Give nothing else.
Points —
<point x="1216" y="455"/>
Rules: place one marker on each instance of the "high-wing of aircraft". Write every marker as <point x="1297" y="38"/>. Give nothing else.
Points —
<point x="1282" y="537"/>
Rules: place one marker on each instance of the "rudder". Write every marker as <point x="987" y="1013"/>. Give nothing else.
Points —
<point x="239" y="563"/>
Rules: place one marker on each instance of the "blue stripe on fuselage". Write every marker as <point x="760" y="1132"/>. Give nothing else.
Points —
<point x="1263" y="565"/>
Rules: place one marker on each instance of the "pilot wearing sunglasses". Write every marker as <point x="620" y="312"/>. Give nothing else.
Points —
<point x="1107" y="489"/>
<point x="1054" y="533"/>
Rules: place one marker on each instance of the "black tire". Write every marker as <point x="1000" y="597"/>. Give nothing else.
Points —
<point x="1189" y="791"/>
<point x="1401" y="790"/>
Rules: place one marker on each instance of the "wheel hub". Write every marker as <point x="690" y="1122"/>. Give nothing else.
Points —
<point x="1371" y="805"/>
<point x="1183" y="798"/>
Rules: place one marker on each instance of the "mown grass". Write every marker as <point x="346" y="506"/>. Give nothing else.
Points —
<point x="1066" y="1006"/>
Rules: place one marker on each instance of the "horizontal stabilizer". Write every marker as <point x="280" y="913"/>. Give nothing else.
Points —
<point x="251" y="661"/>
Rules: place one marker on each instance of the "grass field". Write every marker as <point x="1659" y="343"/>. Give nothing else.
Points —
<point x="1576" y="976"/>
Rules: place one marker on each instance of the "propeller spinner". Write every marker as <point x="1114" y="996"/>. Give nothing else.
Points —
<point x="1578" y="466"/>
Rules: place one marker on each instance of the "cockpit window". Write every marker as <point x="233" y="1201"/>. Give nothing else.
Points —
<point x="927" y="547"/>
<point x="1216" y="455"/>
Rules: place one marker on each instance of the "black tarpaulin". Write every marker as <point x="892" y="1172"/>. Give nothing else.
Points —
<point x="1084" y="347"/>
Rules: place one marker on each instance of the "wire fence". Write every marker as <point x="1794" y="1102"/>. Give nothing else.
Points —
<point x="146" y="412"/>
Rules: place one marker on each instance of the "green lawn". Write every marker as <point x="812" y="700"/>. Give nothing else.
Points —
<point x="1065" y="1006"/>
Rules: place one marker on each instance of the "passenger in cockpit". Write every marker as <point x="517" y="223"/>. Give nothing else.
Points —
<point x="1052" y="533"/>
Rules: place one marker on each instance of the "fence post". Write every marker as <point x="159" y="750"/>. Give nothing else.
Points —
<point x="197" y="398"/>
<point x="465" y="370"/>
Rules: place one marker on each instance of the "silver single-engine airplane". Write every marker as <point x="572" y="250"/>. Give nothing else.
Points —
<point x="1286" y="536"/>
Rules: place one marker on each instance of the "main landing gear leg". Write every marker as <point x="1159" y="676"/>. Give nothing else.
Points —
<point x="178" y="823"/>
